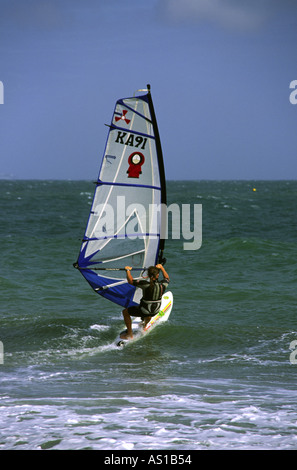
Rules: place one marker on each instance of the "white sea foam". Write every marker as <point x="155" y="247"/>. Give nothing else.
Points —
<point x="137" y="422"/>
<point x="99" y="327"/>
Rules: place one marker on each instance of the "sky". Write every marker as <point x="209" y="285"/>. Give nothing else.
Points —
<point x="220" y="74"/>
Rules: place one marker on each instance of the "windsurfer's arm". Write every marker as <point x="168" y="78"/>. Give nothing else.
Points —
<point x="165" y="274"/>
<point x="128" y="274"/>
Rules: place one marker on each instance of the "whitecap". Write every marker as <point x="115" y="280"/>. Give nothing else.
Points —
<point x="99" y="327"/>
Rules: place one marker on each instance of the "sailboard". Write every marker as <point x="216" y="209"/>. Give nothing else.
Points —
<point x="139" y="330"/>
<point x="126" y="220"/>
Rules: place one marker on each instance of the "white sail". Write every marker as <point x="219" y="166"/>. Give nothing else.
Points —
<point x="124" y="224"/>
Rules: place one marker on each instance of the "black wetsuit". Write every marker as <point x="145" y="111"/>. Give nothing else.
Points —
<point x="151" y="299"/>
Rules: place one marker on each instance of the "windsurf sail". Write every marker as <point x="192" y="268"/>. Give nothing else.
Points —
<point x="125" y="221"/>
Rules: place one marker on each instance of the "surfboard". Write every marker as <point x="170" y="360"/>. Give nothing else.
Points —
<point x="137" y="325"/>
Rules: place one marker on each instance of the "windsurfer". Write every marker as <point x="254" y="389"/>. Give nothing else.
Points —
<point x="153" y="289"/>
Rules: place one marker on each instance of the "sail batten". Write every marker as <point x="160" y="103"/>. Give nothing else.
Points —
<point x="114" y="183"/>
<point x="121" y="228"/>
<point x="132" y="131"/>
<point x="126" y="235"/>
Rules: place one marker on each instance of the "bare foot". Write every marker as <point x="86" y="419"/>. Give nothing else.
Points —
<point x="125" y="335"/>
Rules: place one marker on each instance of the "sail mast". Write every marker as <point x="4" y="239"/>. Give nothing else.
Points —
<point x="162" y="174"/>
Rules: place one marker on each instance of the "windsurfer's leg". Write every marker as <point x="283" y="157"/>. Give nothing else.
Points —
<point x="128" y="323"/>
<point x="146" y="319"/>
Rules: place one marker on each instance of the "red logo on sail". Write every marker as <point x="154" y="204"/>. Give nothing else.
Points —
<point x="123" y="117"/>
<point x="136" y="160"/>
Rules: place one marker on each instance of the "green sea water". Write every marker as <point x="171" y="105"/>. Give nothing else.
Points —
<point x="219" y="375"/>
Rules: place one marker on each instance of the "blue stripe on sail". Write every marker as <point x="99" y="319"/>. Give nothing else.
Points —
<point x="126" y="235"/>
<point x="121" y="295"/>
<point x="130" y="131"/>
<point x="122" y="103"/>
<point x="129" y="185"/>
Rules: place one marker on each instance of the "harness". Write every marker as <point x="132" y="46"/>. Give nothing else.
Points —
<point x="151" y="307"/>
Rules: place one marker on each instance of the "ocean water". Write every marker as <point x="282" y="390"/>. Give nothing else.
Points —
<point x="221" y="374"/>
